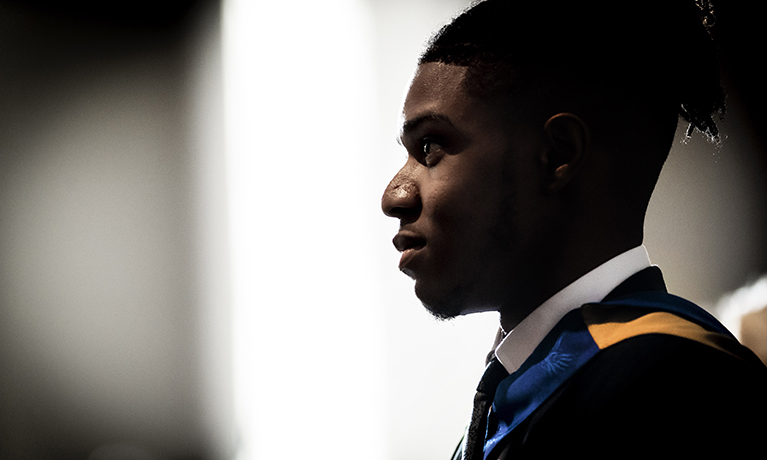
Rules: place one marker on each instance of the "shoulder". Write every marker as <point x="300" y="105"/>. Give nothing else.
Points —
<point x="658" y="393"/>
<point x="658" y="368"/>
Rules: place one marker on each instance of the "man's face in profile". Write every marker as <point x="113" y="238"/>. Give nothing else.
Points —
<point x="466" y="197"/>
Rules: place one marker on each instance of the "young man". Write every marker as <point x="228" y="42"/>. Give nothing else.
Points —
<point x="535" y="133"/>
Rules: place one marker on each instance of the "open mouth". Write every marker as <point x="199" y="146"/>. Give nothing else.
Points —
<point x="409" y="245"/>
<point x="406" y="241"/>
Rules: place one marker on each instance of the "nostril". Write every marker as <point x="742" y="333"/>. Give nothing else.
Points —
<point x="408" y="211"/>
<point x="404" y="214"/>
<point x="401" y="199"/>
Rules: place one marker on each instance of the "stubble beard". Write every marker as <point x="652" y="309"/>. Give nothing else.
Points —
<point x="475" y="296"/>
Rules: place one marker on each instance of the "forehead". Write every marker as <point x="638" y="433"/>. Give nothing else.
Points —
<point x="434" y="88"/>
<point x="435" y="80"/>
<point x="437" y="94"/>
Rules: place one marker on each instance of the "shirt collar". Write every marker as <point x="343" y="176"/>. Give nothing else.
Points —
<point x="517" y="346"/>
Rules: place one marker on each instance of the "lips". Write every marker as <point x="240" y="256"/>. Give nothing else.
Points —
<point x="408" y="244"/>
<point x="405" y="240"/>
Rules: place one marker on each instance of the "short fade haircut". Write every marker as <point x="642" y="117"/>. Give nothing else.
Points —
<point x="607" y="57"/>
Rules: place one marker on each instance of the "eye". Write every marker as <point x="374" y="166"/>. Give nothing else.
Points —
<point x="429" y="146"/>
<point x="430" y="150"/>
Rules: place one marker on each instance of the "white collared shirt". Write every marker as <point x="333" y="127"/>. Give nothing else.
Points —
<point x="594" y="286"/>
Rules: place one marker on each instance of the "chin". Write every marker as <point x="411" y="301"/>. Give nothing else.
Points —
<point x="446" y="304"/>
<point x="441" y="313"/>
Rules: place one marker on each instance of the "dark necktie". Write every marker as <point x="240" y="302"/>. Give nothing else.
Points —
<point x="483" y="400"/>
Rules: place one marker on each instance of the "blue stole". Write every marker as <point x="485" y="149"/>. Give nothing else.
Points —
<point x="581" y="334"/>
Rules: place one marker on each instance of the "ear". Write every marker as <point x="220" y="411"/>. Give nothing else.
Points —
<point x="567" y="145"/>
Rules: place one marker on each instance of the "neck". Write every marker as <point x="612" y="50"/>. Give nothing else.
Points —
<point x="557" y="271"/>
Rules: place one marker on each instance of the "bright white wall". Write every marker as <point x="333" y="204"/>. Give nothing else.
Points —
<point x="300" y="107"/>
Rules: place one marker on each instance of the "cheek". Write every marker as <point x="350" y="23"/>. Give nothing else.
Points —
<point x="452" y="203"/>
<point x="470" y="199"/>
<point x="472" y="214"/>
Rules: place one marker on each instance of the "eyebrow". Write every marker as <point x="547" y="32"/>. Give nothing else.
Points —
<point x="411" y="125"/>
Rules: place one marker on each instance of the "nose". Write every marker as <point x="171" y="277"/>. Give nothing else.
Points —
<point x="402" y="199"/>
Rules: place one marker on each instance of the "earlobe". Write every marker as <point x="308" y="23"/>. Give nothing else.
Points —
<point x="567" y="145"/>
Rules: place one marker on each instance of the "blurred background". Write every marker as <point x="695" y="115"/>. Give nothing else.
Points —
<point x="193" y="261"/>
